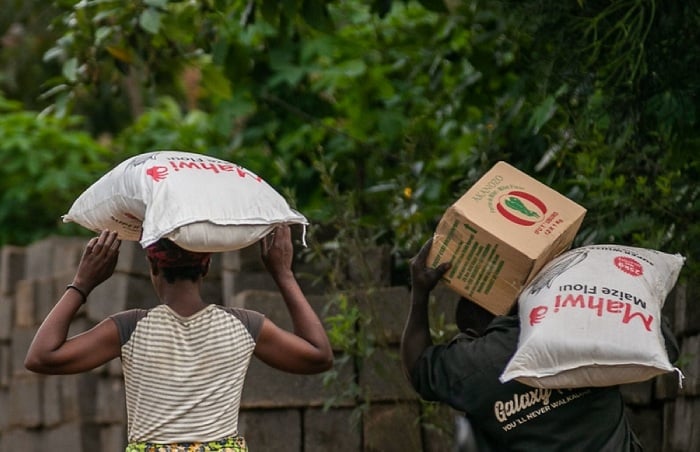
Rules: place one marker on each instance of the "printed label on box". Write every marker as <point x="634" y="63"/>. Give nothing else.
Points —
<point x="477" y="265"/>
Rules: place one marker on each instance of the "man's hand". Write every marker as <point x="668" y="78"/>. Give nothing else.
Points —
<point x="416" y="334"/>
<point x="424" y="278"/>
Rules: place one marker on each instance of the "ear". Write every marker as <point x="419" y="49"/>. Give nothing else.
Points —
<point x="205" y="267"/>
<point x="154" y="266"/>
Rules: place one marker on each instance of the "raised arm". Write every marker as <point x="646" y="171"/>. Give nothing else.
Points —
<point x="306" y="350"/>
<point x="416" y="334"/>
<point x="51" y="352"/>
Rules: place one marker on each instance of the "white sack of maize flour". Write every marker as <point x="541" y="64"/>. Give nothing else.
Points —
<point x="592" y="317"/>
<point x="202" y="203"/>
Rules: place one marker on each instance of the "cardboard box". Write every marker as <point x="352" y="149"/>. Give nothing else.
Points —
<point x="500" y="233"/>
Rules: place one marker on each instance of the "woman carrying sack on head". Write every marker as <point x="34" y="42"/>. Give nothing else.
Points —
<point x="185" y="360"/>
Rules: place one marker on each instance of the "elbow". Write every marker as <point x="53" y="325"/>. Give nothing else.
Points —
<point x="33" y="364"/>
<point x="322" y="364"/>
<point x="37" y="364"/>
<point x="327" y="364"/>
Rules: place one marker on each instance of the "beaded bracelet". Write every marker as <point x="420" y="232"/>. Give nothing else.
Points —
<point x="79" y="290"/>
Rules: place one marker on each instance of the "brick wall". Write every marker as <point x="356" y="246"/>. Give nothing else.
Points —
<point x="368" y="406"/>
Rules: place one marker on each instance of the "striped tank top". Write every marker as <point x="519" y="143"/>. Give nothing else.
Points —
<point x="183" y="376"/>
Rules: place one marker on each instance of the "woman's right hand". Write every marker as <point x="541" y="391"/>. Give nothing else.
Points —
<point x="51" y="352"/>
<point x="98" y="261"/>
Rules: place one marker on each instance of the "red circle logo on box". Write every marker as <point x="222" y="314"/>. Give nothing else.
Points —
<point x="629" y="265"/>
<point x="521" y="208"/>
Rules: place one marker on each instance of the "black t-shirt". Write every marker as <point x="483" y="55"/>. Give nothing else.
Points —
<point x="512" y="416"/>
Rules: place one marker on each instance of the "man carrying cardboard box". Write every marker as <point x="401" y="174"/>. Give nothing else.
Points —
<point x="511" y="416"/>
<point x="487" y="247"/>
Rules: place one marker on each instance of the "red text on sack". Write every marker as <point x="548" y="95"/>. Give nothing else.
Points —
<point x="602" y="306"/>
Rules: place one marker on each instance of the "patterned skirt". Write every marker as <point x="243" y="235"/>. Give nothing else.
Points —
<point x="232" y="444"/>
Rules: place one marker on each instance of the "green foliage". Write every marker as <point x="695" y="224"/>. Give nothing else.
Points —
<point x="24" y="36"/>
<point x="165" y="126"/>
<point x="343" y="318"/>
<point x="621" y="137"/>
<point x="46" y="162"/>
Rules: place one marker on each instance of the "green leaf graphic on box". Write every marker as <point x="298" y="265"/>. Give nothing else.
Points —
<point x="516" y="204"/>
